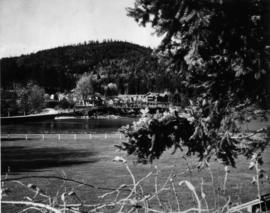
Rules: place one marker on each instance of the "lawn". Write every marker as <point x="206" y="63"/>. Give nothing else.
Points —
<point x="91" y="161"/>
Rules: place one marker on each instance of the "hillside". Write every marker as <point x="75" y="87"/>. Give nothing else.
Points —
<point x="59" y="68"/>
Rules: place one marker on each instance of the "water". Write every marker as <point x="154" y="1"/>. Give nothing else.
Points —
<point x="98" y="125"/>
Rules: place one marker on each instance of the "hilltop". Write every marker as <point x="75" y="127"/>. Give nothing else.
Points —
<point x="59" y="68"/>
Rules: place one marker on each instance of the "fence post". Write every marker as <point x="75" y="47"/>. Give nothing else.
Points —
<point x="106" y="136"/>
<point x="26" y="138"/>
<point x="75" y="137"/>
<point x="90" y="136"/>
<point x="43" y="137"/>
<point x="59" y="137"/>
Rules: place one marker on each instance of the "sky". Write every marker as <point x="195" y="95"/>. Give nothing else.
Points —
<point x="27" y="26"/>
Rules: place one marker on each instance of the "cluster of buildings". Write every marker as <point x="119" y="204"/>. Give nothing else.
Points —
<point x="150" y="98"/>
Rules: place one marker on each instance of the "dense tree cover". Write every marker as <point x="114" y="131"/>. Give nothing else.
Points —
<point x="110" y="89"/>
<point x="31" y="98"/>
<point x="220" y="51"/>
<point x="22" y="100"/>
<point x="217" y="50"/>
<point x="9" y="105"/>
<point x="132" y="67"/>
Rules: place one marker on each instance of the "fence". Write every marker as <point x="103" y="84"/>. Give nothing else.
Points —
<point x="59" y="137"/>
<point x="152" y="104"/>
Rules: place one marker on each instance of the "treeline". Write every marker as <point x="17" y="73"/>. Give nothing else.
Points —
<point x="22" y="100"/>
<point x="132" y="67"/>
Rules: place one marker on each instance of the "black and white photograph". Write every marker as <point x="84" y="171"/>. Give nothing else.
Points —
<point x="135" y="106"/>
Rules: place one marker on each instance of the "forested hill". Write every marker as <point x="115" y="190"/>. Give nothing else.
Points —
<point x="59" y="68"/>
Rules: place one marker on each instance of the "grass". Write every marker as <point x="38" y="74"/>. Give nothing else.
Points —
<point x="90" y="161"/>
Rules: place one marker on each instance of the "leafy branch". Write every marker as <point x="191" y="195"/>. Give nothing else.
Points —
<point x="204" y="129"/>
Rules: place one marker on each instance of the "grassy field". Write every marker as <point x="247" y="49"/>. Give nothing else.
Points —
<point x="90" y="161"/>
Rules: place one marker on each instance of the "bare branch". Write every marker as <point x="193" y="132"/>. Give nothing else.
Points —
<point x="27" y="203"/>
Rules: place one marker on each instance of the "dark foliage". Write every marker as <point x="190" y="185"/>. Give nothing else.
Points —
<point x="57" y="69"/>
<point x="220" y="51"/>
<point x="132" y="67"/>
<point x="196" y="131"/>
<point x="219" y="48"/>
<point x="22" y="100"/>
